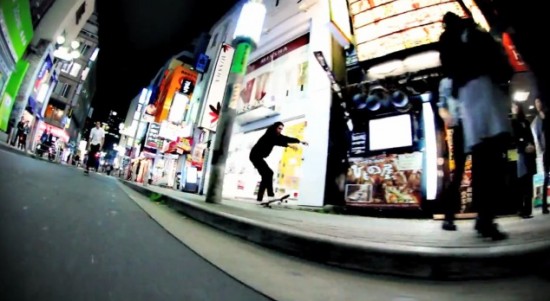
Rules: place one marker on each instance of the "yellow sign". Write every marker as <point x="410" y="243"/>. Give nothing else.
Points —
<point x="290" y="165"/>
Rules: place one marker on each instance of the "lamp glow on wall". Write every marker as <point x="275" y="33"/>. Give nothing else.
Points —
<point x="66" y="52"/>
<point x="247" y="36"/>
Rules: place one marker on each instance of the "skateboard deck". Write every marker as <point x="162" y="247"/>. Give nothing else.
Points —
<point x="283" y="199"/>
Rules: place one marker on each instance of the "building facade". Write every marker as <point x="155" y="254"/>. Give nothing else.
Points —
<point x="277" y="87"/>
<point x="58" y="25"/>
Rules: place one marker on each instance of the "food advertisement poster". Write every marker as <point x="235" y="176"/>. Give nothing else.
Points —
<point x="389" y="179"/>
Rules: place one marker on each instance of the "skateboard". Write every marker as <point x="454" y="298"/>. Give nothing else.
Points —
<point x="283" y="199"/>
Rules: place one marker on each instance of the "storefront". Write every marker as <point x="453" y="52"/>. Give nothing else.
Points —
<point x="285" y="83"/>
<point x="242" y="179"/>
<point x="395" y="138"/>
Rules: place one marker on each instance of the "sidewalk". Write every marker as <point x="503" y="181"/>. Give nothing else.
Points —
<point x="415" y="248"/>
<point x="5" y="146"/>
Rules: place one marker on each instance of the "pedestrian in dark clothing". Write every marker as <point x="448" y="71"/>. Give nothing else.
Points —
<point x="477" y="65"/>
<point x="527" y="156"/>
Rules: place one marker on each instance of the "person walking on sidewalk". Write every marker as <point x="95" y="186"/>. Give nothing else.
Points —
<point x="449" y="110"/>
<point x="527" y="159"/>
<point x="262" y="149"/>
<point x="97" y="138"/>
<point x="478" y="66"/>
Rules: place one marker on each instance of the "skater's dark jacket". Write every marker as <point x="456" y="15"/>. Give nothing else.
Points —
<point x="265" y="144"/>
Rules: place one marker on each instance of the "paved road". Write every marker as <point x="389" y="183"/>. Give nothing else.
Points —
<point x="67" y="236"/>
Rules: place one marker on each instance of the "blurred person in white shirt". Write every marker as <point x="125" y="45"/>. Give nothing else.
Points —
<point x="95" y="143"/>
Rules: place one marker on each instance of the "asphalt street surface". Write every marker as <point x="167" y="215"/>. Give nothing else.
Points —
<point x="67" y="236"/>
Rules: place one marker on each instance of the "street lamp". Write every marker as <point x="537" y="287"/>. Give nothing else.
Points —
<point x="247" y="35"/>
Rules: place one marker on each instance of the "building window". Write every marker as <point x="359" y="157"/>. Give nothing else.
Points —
<point x="66" y="66"/>
<point x="85" y="49"/>
<point x="214" y="40"/>
<point x="55" y="112"/>
<point x="85" y="73"/>
<point x="63" y="89"/>
<point x="75" y="69"/>
<point x="94" y="55"/>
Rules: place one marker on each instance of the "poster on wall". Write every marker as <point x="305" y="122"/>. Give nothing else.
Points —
<point x="385" y="180"/>
<point x="277" y="77"/>
<point x="290" y="165"/>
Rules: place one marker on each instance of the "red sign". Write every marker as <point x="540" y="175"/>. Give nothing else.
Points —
<point x="279" y="52"/>
<point x="513" y="56"/>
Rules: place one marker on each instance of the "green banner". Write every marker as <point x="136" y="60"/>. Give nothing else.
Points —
<point x="16" y="25"/>
<point x="240" y="59"/>
<point x="12" y="88"/>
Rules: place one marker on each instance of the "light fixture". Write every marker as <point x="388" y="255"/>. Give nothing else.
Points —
<point x="75" y="44"/>
<point x="251" y="20"/>
<point x="521" y="96"/>
<point x="60" y="40"/>
<point x="75" y="54"/>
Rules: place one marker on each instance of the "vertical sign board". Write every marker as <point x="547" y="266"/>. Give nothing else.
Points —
<point x="216" y="90"/>
<point x="16" y="25"/>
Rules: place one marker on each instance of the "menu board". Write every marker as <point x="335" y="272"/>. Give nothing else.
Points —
<point x="385" y="180"/>
<point x="385" y="26"/>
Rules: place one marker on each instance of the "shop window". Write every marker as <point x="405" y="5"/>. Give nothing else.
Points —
<point x="75" y="69"/>
<point x="55" y="112"/>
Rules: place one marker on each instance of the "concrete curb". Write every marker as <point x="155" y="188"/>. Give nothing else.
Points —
<point x="393" y="259"/>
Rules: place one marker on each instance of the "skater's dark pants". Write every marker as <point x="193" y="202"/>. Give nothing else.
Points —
<point x="94" y="149"/>
<point x="267" y="177"/>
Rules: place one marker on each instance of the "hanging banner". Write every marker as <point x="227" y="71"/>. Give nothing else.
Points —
<point x="216" y="90"/>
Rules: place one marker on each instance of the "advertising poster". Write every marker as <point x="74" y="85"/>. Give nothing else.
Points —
<point x="538" y="184"/>
<point x="16" y="25"/>
<point x="290" y="165"/>
<point x="216" y="90"/>
<point x="385" y="180"/>
<point x="279" y="76"/>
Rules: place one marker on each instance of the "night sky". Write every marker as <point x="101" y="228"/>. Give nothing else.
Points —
<point x="136" y="37"/>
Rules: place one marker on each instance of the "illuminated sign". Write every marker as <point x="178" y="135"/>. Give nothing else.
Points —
<point x="382" y="27"/>
<point x="339" y="22"/>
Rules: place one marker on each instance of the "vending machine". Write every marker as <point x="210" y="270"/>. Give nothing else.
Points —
<point x="393" y="156"/>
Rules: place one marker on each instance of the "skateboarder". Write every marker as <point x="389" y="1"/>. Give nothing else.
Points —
<point x="262" y="149"/>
